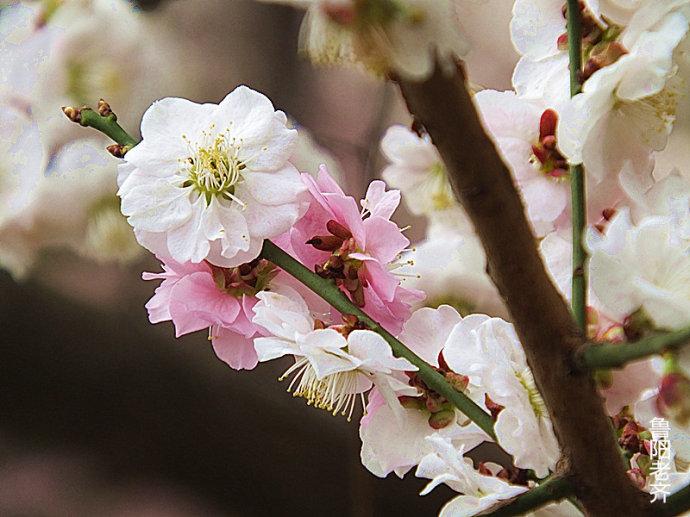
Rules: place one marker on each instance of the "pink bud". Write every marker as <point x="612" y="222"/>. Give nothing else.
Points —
<point x="547" y="124"/>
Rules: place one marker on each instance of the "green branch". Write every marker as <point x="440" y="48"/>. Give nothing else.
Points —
<point x="103" y="120"/>
<point x="616" y="356"/>
<point x="577" y="176"/>
<point x="553" y="489"/>
<point x="327" y="290"/>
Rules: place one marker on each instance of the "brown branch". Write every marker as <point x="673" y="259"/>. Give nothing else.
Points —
<point x="483" y="184"/>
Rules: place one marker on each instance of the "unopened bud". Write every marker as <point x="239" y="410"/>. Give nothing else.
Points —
<point x="104" y="109"/>
<point x="434" y="403"/>
<point x="325" y="242"/>
<point x="459" y="382"/>
<point x="442" y="419"/>
<point x="337" y="229"/>
<point x="411" y="402"/>
<point x="72" y="113"/>
<point x="547" y="124"/>
<point x="493" y="408"/>
<point x="629" y="439"/>
<point x="117" y="150"/>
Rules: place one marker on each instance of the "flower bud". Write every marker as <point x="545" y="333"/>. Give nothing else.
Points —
<point x="104" y="109"/>
<point x="442" y="419"/>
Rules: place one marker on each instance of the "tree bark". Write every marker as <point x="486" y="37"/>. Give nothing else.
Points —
<point x="549" y="335"/>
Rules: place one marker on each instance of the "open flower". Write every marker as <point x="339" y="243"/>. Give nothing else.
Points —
<point x="633" y="85"/>
<point x="448" y="465"/>
<point x="489" y="352"/>
<point x="402" y="36"/>
<point x="211" y="182"/>
<point x="646" y="266"/>
<point x="359" y="250"/>
<point x="525" y="132"/>
<point x="204" y="296"/>
<point x="334" y="365"/>
<point x="394" y="438"/>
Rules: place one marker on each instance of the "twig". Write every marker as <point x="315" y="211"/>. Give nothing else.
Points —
<point x="577" y="176"/>
<point x="593" y="355"/>
<point x="106" y="123"/>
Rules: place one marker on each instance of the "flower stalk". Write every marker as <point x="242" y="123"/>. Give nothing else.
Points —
<point x="594" y="356"/>
<point x="577" y="176"/>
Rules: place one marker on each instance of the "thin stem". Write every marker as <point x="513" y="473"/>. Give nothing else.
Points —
<point x="327" y="290"/>
<point x="107" y="125"/>
<point x="577" y="176"/>
<point x="594" y="355"/>
<point x="553" y="489"/>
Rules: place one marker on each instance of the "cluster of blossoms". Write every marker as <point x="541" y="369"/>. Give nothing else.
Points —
<point x="204" y="197"/>
<point x="209" y="184"/>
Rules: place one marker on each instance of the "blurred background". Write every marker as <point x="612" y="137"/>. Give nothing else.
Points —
<point x="102" y="413"/>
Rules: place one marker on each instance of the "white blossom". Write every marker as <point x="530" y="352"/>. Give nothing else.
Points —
<point x="644" y="266"/>
<point x="212" y="181"/>
<point x="447" y="465"/>
<point x="489" y="352"/>
<point x="333" y="367"/>
<point x="401" y="36"/>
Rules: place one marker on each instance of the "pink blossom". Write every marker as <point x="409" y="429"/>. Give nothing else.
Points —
<point x="357" y="249"/>
<point x="199" y="296"/>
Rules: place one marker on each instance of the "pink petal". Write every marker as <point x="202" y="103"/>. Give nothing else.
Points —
<point x="234" y="349"/>
<point x="196" y="303"/>
<point x="384" y="239"/>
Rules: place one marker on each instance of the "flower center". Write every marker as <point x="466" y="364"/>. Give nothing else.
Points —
<point x="346" y="271"/>
<point x="544" y="153"/>
<point x="215" y="169"/>
<point x="336" y="393"/>
<point x="442" y="195"/>
<point x="527" y="381"/>
<point x="247" y="279"/>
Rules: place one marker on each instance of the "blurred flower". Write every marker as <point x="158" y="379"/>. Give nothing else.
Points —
<point x="415" y="167"/>
<point x="68" y="202"/>
<point x="212" y="181"/>
<point x="399" y="36"/>
<point x="450" y="268"/>
<point x="359" y="250"/>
